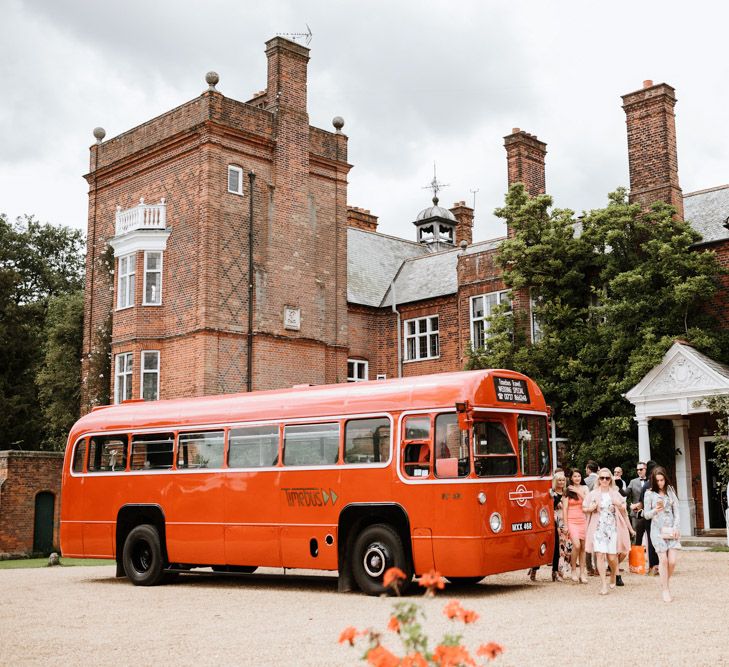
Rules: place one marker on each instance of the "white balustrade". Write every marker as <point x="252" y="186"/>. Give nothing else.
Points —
<point x="141" y="216"/>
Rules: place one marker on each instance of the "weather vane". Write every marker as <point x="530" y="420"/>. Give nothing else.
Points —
<point x="473" y="192"/>
<point x="297" y="35"/>
<point x="435" y="186"/>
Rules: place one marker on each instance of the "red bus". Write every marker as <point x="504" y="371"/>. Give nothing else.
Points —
<point x="449" y="472"/>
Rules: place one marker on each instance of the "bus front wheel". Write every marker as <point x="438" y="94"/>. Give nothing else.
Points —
<point x="142" y="556"/>
<point x="376" y="549"/>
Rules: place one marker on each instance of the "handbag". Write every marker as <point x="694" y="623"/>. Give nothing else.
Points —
<point x="668" y="532"/>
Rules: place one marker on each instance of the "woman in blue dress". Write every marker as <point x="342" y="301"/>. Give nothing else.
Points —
<point x="661" y="508"/>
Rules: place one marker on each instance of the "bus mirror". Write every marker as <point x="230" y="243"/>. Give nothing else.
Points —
<point x="465" y="415"/>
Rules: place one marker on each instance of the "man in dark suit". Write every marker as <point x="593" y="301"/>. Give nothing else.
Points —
<point x="633" y="492"/>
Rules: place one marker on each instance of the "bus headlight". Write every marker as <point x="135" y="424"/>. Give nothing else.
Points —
<point x="544" y="516"/>
<point x="495" y="522"/>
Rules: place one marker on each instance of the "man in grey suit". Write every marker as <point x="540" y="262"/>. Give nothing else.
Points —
<point x="635" y="486"/>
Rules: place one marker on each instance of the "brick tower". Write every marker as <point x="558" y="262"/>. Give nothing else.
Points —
<point x="177" y="200"/>
<point x="652" y="152"/>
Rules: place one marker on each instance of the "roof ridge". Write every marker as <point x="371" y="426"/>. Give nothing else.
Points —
<point x="387" y="236"/>
<point x="705" y="190"/>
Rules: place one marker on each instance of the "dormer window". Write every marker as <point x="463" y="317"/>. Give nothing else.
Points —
<point x="235" y="180"/>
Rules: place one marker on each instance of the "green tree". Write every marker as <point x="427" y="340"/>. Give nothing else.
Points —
<point x="58" y="379"/>
<point x="613" y="289"/>
<point x="37" y="263"/>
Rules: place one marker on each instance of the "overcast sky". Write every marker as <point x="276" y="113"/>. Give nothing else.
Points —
<point x="417" y="82"/>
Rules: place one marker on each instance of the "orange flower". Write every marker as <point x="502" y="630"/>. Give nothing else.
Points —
<point x="453" y="609"/>
<point x="431" y="580"/>
<point x="414" y="660"/>
<point x="394" y="624"/>
<point x="491" y="650"/>
<point x="381" y="657"/>
<point x="348" y="635"/>
<point x="392" y="577"/>
<point x="452" y="656"/>
<point x="469" y="616"/>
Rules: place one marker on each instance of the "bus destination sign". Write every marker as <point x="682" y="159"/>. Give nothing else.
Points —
<point x="511" y="390"/>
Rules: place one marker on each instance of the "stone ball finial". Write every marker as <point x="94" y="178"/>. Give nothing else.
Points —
<point x="212" y="78"/>
<point x="338" y="123"/>
<point x="463" y="244"/>
<point x="99" y="134"/>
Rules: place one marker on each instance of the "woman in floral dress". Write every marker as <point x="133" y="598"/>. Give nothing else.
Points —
<point x="608" y="527"/>
<point x="661" y="507"/>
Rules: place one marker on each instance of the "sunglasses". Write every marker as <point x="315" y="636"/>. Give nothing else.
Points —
<point x="604" y="477"/>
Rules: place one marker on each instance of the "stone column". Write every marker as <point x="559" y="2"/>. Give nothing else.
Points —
<point x="644" y="442"/>
<point x="687" y="506"/>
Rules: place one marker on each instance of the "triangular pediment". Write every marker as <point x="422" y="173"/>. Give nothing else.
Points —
<point x="683" y="371"/>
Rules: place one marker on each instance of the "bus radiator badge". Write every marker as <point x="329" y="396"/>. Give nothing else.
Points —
<point x="521" y="495"/>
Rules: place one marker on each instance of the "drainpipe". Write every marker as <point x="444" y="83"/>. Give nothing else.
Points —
<point x="249" y="372"/>
<point x="399" y="330"/>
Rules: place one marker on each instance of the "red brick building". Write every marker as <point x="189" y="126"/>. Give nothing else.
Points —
<point x="239" y="264"/>
<point x="30" y="492"/>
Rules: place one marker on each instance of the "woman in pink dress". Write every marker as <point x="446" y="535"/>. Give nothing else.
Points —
<point x="575" y="523"/>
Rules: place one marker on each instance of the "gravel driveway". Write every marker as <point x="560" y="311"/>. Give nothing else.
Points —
<point x="84" y="616"/>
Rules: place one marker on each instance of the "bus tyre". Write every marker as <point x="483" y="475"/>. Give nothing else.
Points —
<point x="142" y="556"/>
<point x="464" y="581"/>
<point x="376" y="549"/>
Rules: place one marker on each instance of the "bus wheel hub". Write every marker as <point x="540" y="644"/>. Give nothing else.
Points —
<point x="375" y="560"/>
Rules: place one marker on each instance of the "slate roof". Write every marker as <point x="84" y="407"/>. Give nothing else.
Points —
<point x="706" y="211"/>
<point x="373" y="260"/>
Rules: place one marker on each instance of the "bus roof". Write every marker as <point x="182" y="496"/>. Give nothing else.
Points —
<point x="411" y="393"/>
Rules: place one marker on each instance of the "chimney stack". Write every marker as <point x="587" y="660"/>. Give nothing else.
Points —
<point x="464" y="228"/>
<point x="361" y="218"/>
<point x="652" y="152"/>
<point x="287" y="65"/>
<point x="525" y="161"/>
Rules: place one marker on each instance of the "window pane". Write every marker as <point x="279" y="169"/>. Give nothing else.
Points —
<point x="311" y="444"/>
<point x="477" y="307"/>
<point x="150" y="386"/>
<point x="367" y="440"/>
<point x="201" y="450"/>
<point x="130" y="293"/>
<point x="128" y="362"/>
<point x="79" y="455"/>
<point x="411" y="327"/>
<point x="434" y="345"/>
<point x="490" y="301"/>
<point x="505" y="299"/>
<point x="422" y="347"/>
<point x="417" y="428"/>
<point x="122" y="296"/>
<point x="411" y="348"/>
<point x="493" y="452"/>
<point x="152" y="451"/>
<point x="254" y="447"/>
<point x="533" y="444"/>
<point x="478" y="338"/>
<point x="154" y="260"/>
<point x="150" y="361"/>
<point x="451" y="447"/>
<point x="434" y="324"/>
<point x="422" y="326"/>
<point x="361" y="367"/>
<point x="350" y="370"/>
<point x="107" y="453"/>
<point x="233" y="180"/>
<point x="153" y="288"/>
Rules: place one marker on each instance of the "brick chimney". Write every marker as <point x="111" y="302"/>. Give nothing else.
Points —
<point x="287" y="65"/>
<point x="525" y="161"/>
<point x="652" y="153"/>
<point x="464" y="228"/>
<point x="361" y="218"/>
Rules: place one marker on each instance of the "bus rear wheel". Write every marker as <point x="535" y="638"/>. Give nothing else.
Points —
<point x="377" y="549"/>
<point x="142" y="556"/>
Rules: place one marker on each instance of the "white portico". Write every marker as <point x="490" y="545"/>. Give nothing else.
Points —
<point x="676" y="389"/>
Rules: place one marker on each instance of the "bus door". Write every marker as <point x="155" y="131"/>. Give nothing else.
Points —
<point x="456" y="519"/>
<point x="310" y="494"/>
<point x="416" y="467"/>
<point x="253" y="499"/>
<point x="194" y="505"/>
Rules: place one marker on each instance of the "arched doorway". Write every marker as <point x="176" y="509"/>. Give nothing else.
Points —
<point x="43" y="523"/>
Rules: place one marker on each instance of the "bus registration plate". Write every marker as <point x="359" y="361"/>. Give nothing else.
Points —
<point x="522" y="525"/>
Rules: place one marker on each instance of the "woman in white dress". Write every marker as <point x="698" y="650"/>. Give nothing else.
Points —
<point x="661" y="507"/>
<point x="608" y="527"/>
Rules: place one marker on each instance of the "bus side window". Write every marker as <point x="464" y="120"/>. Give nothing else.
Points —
<point x="79" y="455"/>
<point x="253" y="447"/>
<point x="311" y="445"/>
<point x="451" y="448"/>
<point x="493" y="453"/>
<point x="367" y="440"/>
<point x="107" y="453"/>
<point x="200" y="450"/>
<point x="416" y="459"/>
<point x="152" y="451"/>
<point x="534" y="445"/>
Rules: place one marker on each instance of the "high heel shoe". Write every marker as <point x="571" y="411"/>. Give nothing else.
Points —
<point x="533" y="574"/>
